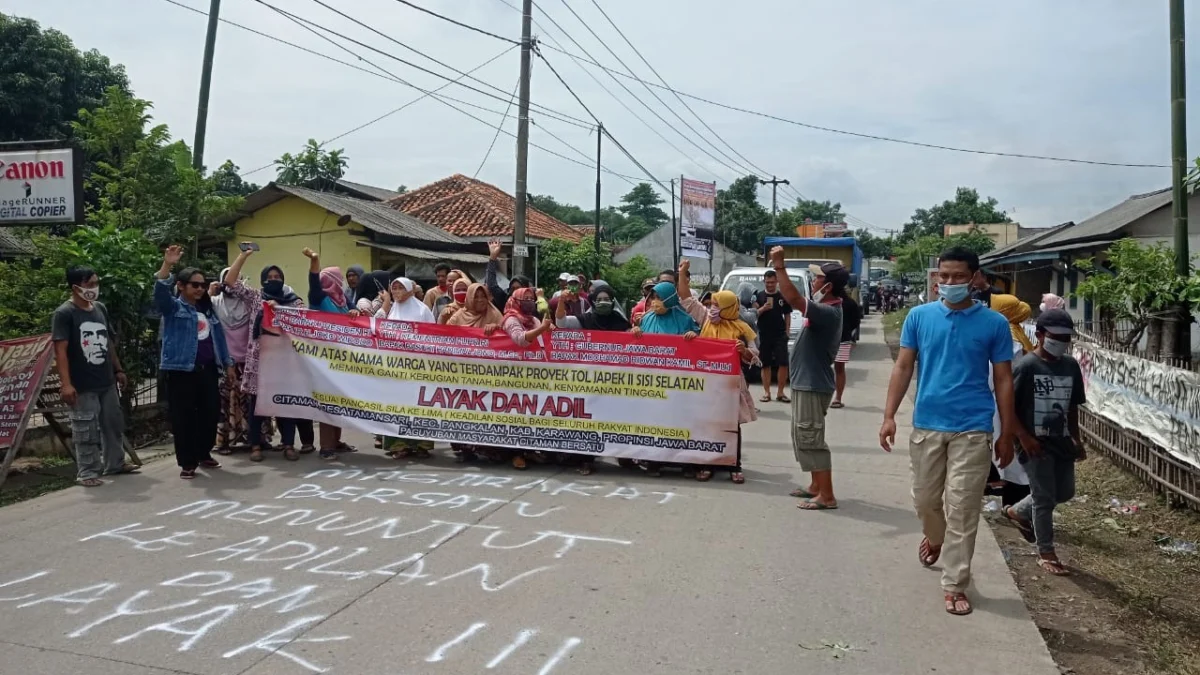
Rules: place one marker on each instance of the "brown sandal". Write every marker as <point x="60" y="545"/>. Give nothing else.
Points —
<point x="91" y="482"/>
<point x="290" y="454"/>
<point x="1053" y="566"/>
<point x="256" y="455"/>
<point x="952" y="602"/>
<point x="927" y="553"/>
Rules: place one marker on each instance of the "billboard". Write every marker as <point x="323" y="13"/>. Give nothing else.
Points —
<point x="43" y="185"/>
<point x="697" y="220"/>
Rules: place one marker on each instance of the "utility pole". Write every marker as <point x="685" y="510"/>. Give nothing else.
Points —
<point x="599" y="136"/>
<point x="1179" y="172"/>
<point x="523" y="138"/>
<point x="774" y="183"/>
<point x="210" y="44"/>
<point x="674" y="228"/>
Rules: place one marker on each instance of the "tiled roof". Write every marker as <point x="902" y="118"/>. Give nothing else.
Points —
<point x="374" y="216"/>
<point x="472" y="208"/>
<point x="13" y="245"/>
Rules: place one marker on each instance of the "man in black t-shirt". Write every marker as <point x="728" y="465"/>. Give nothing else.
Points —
<point x="774" y="325"/>
<point x="85" y="352"/>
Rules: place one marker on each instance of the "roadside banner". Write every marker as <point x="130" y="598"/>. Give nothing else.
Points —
<point x="1156" y="400"/>
<point x="697" y="220"/>
<point x="608" y="394"/>
<point x="23" y="364"/>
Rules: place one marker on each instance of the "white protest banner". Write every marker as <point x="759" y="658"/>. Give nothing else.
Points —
<point x="651" y="397"/>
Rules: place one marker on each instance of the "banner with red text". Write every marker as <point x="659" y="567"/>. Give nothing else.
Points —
<point x="23" y="364"/>
<point x="651" y="397"/>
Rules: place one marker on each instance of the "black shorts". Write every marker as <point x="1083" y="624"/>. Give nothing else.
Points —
<point x="773" y="350"/>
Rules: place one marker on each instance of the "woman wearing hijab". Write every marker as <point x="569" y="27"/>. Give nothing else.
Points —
<point x="400" y="303"/>
<point x="354" y="275"/>
<point x="1051" y="301"/>
<point x="458" y="299"/>
<point x="477" y="311"/>
<point x="276" y="292"/>
<point x="722" y="321"/>
<point x="372" y="287"/>
<point x="521" y="324"/>
<point x="327" y="293"/>
<point x="1011" y="482"/>
<point x="235" y="314"/>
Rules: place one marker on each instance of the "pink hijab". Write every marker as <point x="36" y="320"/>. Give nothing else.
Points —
<point x="1052" y="301"/>
<point x="333" y="283"/>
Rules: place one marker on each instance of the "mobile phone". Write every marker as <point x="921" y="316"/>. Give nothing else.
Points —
<point x="248" y="246"/>
<point x="573" y="286"/>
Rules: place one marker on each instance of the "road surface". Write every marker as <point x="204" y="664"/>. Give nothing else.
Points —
<point x="372" y="566"/>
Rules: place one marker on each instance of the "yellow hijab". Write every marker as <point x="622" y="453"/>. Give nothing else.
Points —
<point x="1016" y="312"/>
<point x="731" y="326"/>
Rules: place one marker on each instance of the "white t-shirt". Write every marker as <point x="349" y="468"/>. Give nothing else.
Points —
<point x="1014" y="472"/>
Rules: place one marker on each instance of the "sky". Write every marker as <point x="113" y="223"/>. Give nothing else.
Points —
<point x="1085" y="79"/>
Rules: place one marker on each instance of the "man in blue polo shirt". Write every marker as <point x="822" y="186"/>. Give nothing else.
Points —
<point x="953" y="344"/>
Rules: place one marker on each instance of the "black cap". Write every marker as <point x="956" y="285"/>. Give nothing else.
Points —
<point x="835" y="273"/>
<point x="1056" y="322"/>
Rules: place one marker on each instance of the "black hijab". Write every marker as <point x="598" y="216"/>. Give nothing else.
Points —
<point x="614" y="321"/>
<point x="370" y="286"/>
<point x="278" y="291"/>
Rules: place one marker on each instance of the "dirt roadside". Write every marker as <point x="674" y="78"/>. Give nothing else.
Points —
<point x="1132" y="604"/>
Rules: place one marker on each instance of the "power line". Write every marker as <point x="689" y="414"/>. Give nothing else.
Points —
<point x="459" y="23"/>
<point x="498" y="127"/>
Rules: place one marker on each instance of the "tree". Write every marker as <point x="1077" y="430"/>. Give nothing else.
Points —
<point x="913" y="256"/>
<point x="227" y="181"/>
<point x="567" y="213"/>
<point x="966" y="207"/>
<point x="643" y="202"/>
<point x="402" y="189"/>
<point x="741" y="220"/>
<point x="45" y="81"/>
<point x="788" y="219"/>
<point x="558" y="256"/>
<point x="312" y="165"/>
<point x="873" y="246"/>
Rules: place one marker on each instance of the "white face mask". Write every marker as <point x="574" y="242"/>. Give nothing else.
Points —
<point x="1055" y="348"/>
<point x="89" y="294"/>
<point x="820" y="295"/>
<point x="1042" y="307"/>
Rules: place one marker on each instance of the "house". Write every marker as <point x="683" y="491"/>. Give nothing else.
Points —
<point x="345" y="230"/>
<point x="13" y="245"/>
<point x="1145" y="217"/>
<point x="1002" y="234"/>
<point x="1025" y="276"/>
<point x="478" y="212"/>
<point x="658" y="248"/>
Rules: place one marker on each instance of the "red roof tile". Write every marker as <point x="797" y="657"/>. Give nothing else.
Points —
<point x="472" y="208"/>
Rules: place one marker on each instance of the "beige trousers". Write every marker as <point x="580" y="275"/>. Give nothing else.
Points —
<point x="949" y="476"/>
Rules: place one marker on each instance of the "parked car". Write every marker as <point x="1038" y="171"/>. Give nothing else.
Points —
<point x="754" y="276"/>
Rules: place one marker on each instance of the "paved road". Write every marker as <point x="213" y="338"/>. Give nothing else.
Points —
<point x="378" y="567"/>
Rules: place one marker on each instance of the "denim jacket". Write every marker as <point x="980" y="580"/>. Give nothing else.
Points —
<point x="179" y="332"/>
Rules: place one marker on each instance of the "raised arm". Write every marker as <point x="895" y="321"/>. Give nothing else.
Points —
<point x="315" y="293"/>
<point x="164" y="302"/>
<point x="684" y="287"/>
<point x="235" y="270"/>
<point x="790" y="293"/>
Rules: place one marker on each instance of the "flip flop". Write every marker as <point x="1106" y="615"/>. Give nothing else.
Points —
<point x="801" y="493"/>
<point x="810" y="505"/>
<point x="783" y="399"/>
<point x="952" y="600"/>
<point x="1026" y="529"/>
<point x="90" y="482"/>
<point x="129" y="468"/>
<point x="765" y="399"/>
<point x="836" y="404"/>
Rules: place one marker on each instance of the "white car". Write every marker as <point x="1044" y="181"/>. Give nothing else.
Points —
<point x="754" y="276"/>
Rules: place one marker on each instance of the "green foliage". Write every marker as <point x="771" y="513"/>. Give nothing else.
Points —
<point x="1137" y="283"/>
<point x="789" y="219"/>
<point x="627" y="279"/>
<point x="913" y="256"/>
<point x="226" y="181"/>
<point x="642" y="202"/>
<point x="741" y="220"/>
<point x="873" y="246"/>
<point x="312" y="165"/>
<point x="966" y="207"/>
<point x="557" y="256"/>
<point x="615" y="225"/>
<point x="45" y="81"/>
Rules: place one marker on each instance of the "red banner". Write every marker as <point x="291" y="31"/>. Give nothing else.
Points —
<point x="23" y="364"/>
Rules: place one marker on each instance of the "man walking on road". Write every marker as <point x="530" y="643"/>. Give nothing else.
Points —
<point x="774" y="326"/>
<point x="952" y="343"/>
<point x="811" y="374"/>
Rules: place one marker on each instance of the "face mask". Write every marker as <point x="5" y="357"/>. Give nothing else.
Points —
<point x="714" y="314"/>
<point x="273" y="287"/>
<point x="1055" y="348"/>
<point x="658" y="307"/>
<point x="820" y="295"/>
<point x="954" y="293"/>
<point x="1042" y="307"/>
<point x="460" y="297"/>
<point x="89" y="294"/>
<point x="603" y="307"/>
<point x="528" y="307"/>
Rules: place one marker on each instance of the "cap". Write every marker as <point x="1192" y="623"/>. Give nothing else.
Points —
<point x="567" y="276"/>
<point x="1056" y="322"/>
<point x="835" y="273"/>
<point x="648" y="283"/>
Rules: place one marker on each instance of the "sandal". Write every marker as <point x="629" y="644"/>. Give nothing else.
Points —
<point x="187" y="474"/>
<point x="927" y="553"/>
<point x="1025" y="528"/>
<point x="226" y="450"/>
<point x="129" y="468"/>
<point x="813" y="505"/>
<point x="704" y="475"/>
<point x="289" y="453"/>
<point x="308" y="449"/>
<point x="737" y="477"/>
<point x="783" y="399"/>
<point x="765" y="398"/>
<point x="518" y="463"/>
<point x="801" y="493"/>
<point x="256" y="455"/>
<point x="210" y="464"/>
<point x="586" y="469"/>
<point x="953" y="600"/>
<point x="1053" y="566"/>
<point x="90" y="482"/>
<point x="399" y="453"/>
<point x="329" y="455"/>
<point x="346" y="447"/>
<point x="837" y="404"/>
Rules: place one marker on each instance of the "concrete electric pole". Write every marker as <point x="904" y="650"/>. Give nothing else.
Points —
<point x="522" y="196"/>
<point x="774" y="183"/>
<point x="1179" y="195"/>
<point x="210" y="45"/>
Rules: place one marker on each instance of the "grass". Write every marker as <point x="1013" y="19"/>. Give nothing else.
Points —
<point x="892" y="321"/>
<point x="43" y="485"/>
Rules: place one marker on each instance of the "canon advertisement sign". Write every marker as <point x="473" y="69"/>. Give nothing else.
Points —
<point x="43" y="185"/>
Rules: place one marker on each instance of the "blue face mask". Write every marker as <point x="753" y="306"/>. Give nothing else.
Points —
<point x="954" y="293"/>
